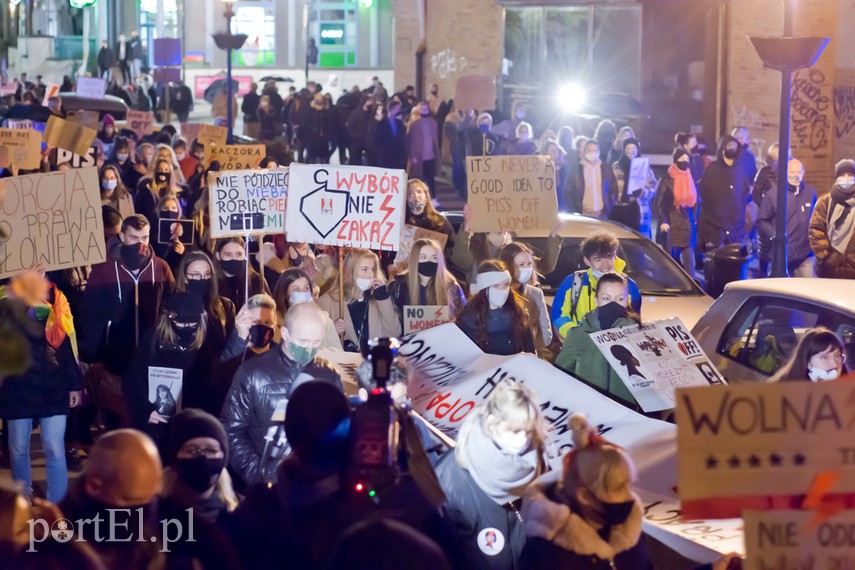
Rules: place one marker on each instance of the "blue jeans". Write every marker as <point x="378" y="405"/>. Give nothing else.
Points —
<point x="53" y="443"/>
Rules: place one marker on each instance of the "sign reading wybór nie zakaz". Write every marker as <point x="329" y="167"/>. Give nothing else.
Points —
<point x="248" y="202"/>
<point x="353" y="206"/>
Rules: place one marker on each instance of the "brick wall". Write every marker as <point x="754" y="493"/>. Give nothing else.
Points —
<point x="406" y="42"/>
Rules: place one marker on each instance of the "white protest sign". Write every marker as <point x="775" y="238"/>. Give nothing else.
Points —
<point x="655" y="359"/>
<point x="451" y="376"/>
<point x="19" y="124"/>
<point x="755" y="446"/>
<point x="248" y="202"/>
<point x="8" y="88"/>
<point x="355" y="206"/>
<point x="787" y="539"/>
<point x="53" y="219"/>
<point x="412" y="234"/>
<point x="92" y="87"/>
<point x="637" y="178"/>
<point x="51" y="90"/>
<point x="421" y="317"/>
<point x="77" y="160"/>
<point x="165" y="386"/>
<point x="512" y="193"/>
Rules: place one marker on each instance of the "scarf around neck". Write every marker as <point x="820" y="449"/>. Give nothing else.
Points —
<point x="502" y="475"/>
<point x="685" y="192"/>
<point x="841" y="221"/>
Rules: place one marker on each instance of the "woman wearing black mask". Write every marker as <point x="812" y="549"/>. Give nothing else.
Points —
<point x="160" y="184"/>
<point x="169" y="356"/>
<point x="585" y="516"/>
<point x="196" y="275"/>
<point x="169" y="208"/>
<point x="231" y="272"/>
<point x="427" y="281"/>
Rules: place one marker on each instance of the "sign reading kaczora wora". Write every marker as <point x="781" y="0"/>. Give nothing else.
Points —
<point x="53" y="219"/>
<point x="355" y="206"/>
<point x="248" y="202"/>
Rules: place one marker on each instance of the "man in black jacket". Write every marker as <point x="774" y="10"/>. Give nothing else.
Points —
<point x="254" y="411"/>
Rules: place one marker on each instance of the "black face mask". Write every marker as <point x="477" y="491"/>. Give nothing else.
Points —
<point x="615" y="513"/>
<point x="428" y="268"/>
<point x="199" y="287"/>
<point x="134" y="255"/>
<point x="199" y="473"/>
<point x="609" y="313"/>
<point x="167" y="215"/>
<point x="730" y="153"/>
<point x="682" y="165"/>
<point x="186" y="335"/>
<point x="260" y="335"/>
<point x="233" y="266"/>
<point x="162" y="177"/>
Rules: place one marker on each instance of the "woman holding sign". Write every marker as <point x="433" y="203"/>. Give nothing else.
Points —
<point x="427" y="281"/>
<point x="496" y="318"/>
<point x="151" y="189"/>
<point x="169" y="247"/>
<point x="422" y="214"/>
<point x="231" y="274"/>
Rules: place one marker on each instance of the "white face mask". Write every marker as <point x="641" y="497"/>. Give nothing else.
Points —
<point x="514" y="442"/>
<point x="592" y="156"/>
<point x="180" y="155"/>
<point x="363" y="283"/>
<point x="820" y="375"/>
<point x="597" y="274"/>
<point x="845" y="183"/>
<point x="794" y="180"/>
<point x="498" y="297"/>
<point x="525" y="274"/>
<point x="298" y="297"/>
<point x="497" y="239"/>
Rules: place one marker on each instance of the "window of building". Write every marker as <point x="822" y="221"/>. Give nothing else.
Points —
<point x="258" y="21"/>
<point x="334" y="27"/>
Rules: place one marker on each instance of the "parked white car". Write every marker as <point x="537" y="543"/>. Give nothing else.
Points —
<point x="752" y="328"/>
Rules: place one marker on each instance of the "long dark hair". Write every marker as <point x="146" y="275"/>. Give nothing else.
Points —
<point x="812" y="343"/>
<point x="120" y="191"/>
<point x="507" y="255"/>
<point x="280" y="291"/>
<point x="478" y="308"/>
<point x="213" y="304"/>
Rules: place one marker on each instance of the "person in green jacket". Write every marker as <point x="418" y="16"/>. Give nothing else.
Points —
<point x="581" y="357"/>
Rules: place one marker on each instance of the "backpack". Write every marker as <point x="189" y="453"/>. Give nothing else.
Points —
<point x="576" y="291"/>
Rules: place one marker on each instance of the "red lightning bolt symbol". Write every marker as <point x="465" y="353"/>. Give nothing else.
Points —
<point x="438" y="313"/>
<point x="385" y="208"/>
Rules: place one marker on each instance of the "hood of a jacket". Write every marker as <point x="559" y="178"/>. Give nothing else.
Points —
<point x="719" y="153"/>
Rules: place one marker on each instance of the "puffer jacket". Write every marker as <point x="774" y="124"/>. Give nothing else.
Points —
<point x="254" y="411"/>
<point x="724" y="192"/>
<point x="829" y="261"/>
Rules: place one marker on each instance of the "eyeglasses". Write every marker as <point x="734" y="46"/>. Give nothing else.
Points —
<point x="194" y="451"/>
<point x="198" y="276"/>
<point x="831" y="356"/>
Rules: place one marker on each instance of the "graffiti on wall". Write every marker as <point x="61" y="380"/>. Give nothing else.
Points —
<point x="811" y="108"/>
<point x="447" y="62"/>
<point x="844" y="110"/>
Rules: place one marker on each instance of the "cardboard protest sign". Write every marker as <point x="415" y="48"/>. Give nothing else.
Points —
<point x="70" y="136"/>
<point x="141" y="122"/>
<point x="190" y="131"/>
<point x="236" y="156"/>
<point x="637" y="178"/>
<point x="422" y="317"/>
<point x="170" y="231"/>
<point x="655" y="359"/>
<point x="51" y="90"/>
<point x="475" y="92"/>
<point x="512" y="193"/>
<point x="92" y="87"/>
<point x="787" y="539"/>
<point x="451" y="376"/>
<point x="19" y="124"/>
<point x="165" y="386"/>
<point x="77" y="160"/>
<point x="411" y="235"/>
<point x="23" y="148"/>
<point x="248" y="202"/>
<point x="749" y="446"/>
<point x="355" y="206"/>
<point x="84" y="117"/>
<point x="53" y="219"/>
<point x="211" y="135"/>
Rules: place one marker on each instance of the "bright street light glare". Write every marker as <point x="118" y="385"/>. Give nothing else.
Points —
<point x="572" y="97"/>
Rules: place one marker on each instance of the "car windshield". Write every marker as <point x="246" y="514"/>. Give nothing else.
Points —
<point x="650" y="267"/>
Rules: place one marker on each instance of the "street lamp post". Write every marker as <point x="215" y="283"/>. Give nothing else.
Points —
<point x="229" y="42"/>
<point x="786" y="54"/>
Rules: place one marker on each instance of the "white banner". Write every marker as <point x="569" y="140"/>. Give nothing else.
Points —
<point x="655" y="359"/>
<point x="354" y="206"/>
<point x="248" y="202"/>
<point x="92" y="87"/>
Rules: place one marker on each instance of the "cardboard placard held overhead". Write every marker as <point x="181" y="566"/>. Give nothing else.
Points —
<point x="637" y="178"/>
<point x="92" y="87"/>
<point x="141" y="122"/>
<point x="755" y="446"/>
<point x="8" y="88"/>
<point x="60" y="133"/>
<point x="235" y="156"/>
<point x="422" y="317"/>
<point x="51" y="90"/>
<point x="53" y="219"/>
<point x="248" y="202"/>
<point x="788" y="539"/>
<point x="22" y="148"/>
<point x="190" y="131"/>
<point x="512" y="193"/>
<point x="475" y="92"/>
<point x="357" y="206"/>
<point x="75" y="160"/>
<point x="411" y="235"/>
<point x="84" y="117"/>
<point x="655" y="359"/>
<point x="212" y="135"/>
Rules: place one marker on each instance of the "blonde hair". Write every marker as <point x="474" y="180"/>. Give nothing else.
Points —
<point x="164" y="331"/>
<point x="357" y="255"/>
<point x="513" y="403"/>
<point x="224" y="488"/>
<point x="261" y="301"/>
<point x="595" y="464"/>
<point x="441" y="287"/>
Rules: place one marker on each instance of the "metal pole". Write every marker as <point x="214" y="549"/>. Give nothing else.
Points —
<point x="230" y="135"/>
